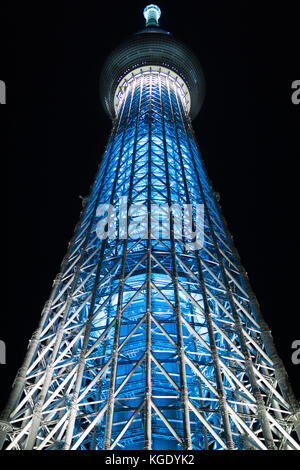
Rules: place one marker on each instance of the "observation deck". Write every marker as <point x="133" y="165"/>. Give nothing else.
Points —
<point x="152" y="48"/>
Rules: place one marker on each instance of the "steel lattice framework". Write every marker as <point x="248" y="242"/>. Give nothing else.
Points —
<point x="148" y="342"/>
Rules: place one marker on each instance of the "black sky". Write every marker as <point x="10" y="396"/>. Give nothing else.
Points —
<point x="54" y="132"/>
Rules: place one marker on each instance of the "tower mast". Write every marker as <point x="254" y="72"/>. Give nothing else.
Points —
<point x="152" y="337"/>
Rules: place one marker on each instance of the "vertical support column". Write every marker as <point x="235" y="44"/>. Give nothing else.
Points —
<point x="115" y="353"/>
<point x="214" y="351"/>
<point x="204" y="430"/>
<point x="36" y="417"/>
<point x="261" y="411"/>
<point x="180" y="342"/>
<point x="148" y="385"/>
<point x="19" y="381"/>
<point x="100" y="383"/>
<point x="280" y="371"/>
<point x="81" y="361"/>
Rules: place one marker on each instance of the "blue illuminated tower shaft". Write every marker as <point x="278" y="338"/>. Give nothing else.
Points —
<point x="150" y="340"/>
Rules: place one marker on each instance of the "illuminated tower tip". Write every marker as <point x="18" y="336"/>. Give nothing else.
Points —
<point x="152" y="14"/>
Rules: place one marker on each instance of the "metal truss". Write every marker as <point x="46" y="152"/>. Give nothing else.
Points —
<point x="144" y="342"/>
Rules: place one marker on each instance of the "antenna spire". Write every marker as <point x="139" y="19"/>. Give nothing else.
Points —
<point x="152" y="14"/>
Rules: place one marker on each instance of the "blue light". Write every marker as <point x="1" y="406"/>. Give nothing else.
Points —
<point x="147" y="342"/>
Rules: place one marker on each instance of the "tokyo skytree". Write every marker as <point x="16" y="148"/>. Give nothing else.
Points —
<point x="152" y="337"/>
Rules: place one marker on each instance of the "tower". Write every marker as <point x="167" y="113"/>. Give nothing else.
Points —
<point x="151" y="337"/>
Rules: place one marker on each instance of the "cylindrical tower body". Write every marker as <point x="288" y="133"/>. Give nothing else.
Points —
<point x="152" y="338"/>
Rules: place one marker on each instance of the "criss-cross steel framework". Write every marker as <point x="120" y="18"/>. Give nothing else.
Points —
<point x="148" y="342"/>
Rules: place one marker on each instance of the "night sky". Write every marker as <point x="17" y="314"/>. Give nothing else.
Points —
<point x="54" y="132"/>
